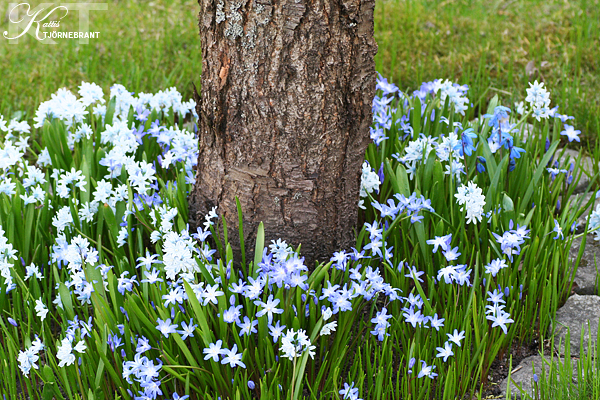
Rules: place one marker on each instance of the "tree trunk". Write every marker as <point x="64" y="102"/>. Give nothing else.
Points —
<point x="285" y="110"/>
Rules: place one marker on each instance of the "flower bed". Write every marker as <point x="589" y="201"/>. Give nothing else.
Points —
<point x="463" y="246"/>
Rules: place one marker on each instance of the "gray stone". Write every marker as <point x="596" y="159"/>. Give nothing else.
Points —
<point x="569" y="155"/>
<point x="579" y="313"/>
<point x="585" y="198"/>
<point x="522" y="375"/>
<point x="587" y="166"/>
<point x="589" y="265"/>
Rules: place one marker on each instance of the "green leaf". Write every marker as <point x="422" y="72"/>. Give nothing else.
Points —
<point x="205" y="332"/>
<point x="537" y="175"/>
<point x="260" y="245"/>
<point x="48" y="374"/>
<point x="416" y="116"/>
<point x="391" y="176"/>
<point x="241" y="231"/>
<point x="507" y="203"/>
<point x="427" y="176"/>
<point x="493" y="189"/>
<point x="65" y="298"/>
<point x="402" y="178"/>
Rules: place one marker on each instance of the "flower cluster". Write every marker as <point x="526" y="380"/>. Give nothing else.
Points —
<point x="495" y="312"/>
<point x="27" y="359"/>
<point x="7" y="253"/>
<point x="369" y="182"/>
<point x="539" y="100"/>
<point x="294" y="343"/>
<point x="446" y="89"/>
<point x="230" y="356"/>
<point x="511" y="240"/>
<point x="473" y="200"/>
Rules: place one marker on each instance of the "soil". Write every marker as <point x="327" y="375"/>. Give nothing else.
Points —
<point x="501" y="365"/>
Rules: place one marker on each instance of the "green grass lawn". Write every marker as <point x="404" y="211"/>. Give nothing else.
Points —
<point x="145" y="46"/>
<point x="486" y="44"/>
<point x="489" y="44"/>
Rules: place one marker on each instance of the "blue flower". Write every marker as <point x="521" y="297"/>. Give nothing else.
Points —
<point x="558" y="230"/>
<point x="571" y="133"/>
<point x="247" y="327"/>
<point x="232" y="357"/>
<point x="500" y="113"/>
<point x="349" y="392"/>
<point x="515" y="152"/>
<point x="500" y="319"/>
<point x="445" y="351"/>
<point x="480" y="164"/>
<point x="165" y="327"/>
<point x="456" y="337"/>
<point x="427" y="370"/>
<point x="213" y="351"/>
<point x="387" y="88"/>
<point x="188" y="330"/>
<point x="268" y="308"/>
<point x="467" y="142"/>
<point x="276" y="331"/>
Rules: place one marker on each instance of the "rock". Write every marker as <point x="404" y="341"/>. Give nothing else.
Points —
<point x="579" y="312"/>
<point x="568" y="156"/>
<point x="522" y="375"/>
<point x="585" y="198"/>
<point x="589" y="266"/>
<point x="587" y="165"/>
<point x="585" y="277"/>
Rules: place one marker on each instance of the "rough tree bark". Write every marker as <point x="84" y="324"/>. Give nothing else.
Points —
<point x="285" y="110"/>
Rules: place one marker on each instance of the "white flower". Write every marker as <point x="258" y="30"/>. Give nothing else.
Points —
<point x="44" y="159"/>
<point x="64" y="106"/>
<point x="58" y="302"/>
<point x="90" y="93"/>
<point x="473" y="200"/>
<point x="18" y="126"/>
<point x="155" y="236"/>
<point x="539" y="99"/>
<point x="455" y="92"/>
<point x="62" y="219"/>
<point x="9" y="156"/>
<point x="33" y="270"/>
<point x="178" y="255"/>
<point x="80" y="347"/>
<point x="594" y="223"/>
<point x="122" y="237"/>
<point x="369" y="180"/>
<point x="87" y="211"/>
<point x="40" y="309"/>
<point x="450" y="145"/>
<point x="416" y="151"/>
<point x="328" y="328"/>
<point x="293" y="344"/>
<point x="64" y="354"/>
<point x="28" y="358"/>
<point x="7" y="186"/>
